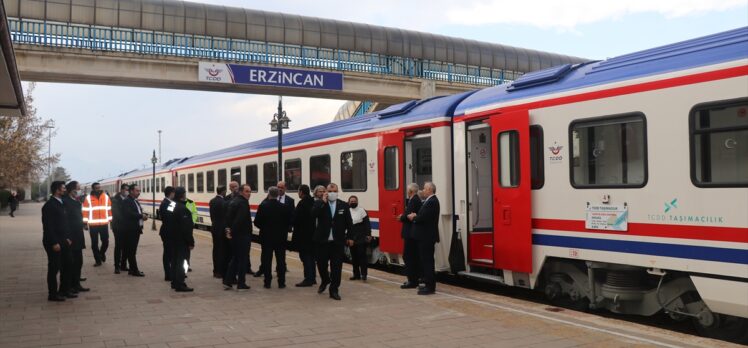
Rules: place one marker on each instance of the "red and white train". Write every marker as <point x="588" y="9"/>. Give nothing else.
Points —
<point x="618" y="184"/>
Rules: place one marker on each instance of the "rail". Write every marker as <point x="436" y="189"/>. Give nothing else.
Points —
<point x="112" y="39"/>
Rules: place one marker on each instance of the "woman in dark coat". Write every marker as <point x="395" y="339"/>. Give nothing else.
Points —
<point x="358" y="239"/>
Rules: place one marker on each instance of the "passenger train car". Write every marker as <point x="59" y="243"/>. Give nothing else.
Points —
<point x="619" y="184"/>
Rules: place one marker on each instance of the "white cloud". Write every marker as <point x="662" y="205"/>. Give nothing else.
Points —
<point x="566" y="15"/>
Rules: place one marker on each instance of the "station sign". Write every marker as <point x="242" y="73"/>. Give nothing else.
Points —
<point x="269" y="76"/>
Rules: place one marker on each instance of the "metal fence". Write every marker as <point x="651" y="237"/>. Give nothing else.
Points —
<point x="95" y="38"/>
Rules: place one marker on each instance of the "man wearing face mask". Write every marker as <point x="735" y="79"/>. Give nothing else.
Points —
<point x="97" y="213"/>
<point x="334" y="222"/>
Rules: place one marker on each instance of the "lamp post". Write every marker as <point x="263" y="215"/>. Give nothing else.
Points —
<point x="278" y="124"/>
<point x="160" y="159"/>
<point x="49" y="159"/>
<point x="153" y="182"/>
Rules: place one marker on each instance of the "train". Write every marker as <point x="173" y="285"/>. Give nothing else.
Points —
<point x="619" y="184"/>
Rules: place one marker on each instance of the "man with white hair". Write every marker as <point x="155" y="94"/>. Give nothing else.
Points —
<point x="333" y="221"/>
<point x="426" y="232"/>
<point x="410" y="244"/>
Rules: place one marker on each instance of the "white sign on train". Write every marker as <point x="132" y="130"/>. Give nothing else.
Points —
<point x="607" y="217"/>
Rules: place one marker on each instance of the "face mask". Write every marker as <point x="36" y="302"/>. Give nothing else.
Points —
<point x="354" y="205"/>
<point x="331" y="196"/>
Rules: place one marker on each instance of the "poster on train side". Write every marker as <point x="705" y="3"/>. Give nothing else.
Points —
<point x="269" y="76"/>
<point x="609" y="217"/>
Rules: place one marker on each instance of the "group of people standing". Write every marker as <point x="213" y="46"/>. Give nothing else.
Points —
<point x="66" y="215"/>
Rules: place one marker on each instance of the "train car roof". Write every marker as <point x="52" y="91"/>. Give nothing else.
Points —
<point x="407" y="112"/>
<point x="703" y="51"/>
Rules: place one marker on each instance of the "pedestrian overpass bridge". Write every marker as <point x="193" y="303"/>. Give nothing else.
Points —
<point x="168" y="44"/>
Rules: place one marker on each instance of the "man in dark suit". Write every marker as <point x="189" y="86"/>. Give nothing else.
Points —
<point x="333" y="221"/>
<point x="120" y="261"/>
<point x="165" y="215"/>
<point x="426" y="232"/>
<point x="74" y="212"/>
<point x="272" y="219"/>
<point x="218" y="231"/>
<point x="180" y="238"/>
<point x="239" y="222"/>
<point x="410" y="245"/>
<point x="132" y="227"/>
<point x="303" y="231"/>
<point x="54" y="239"/>
<point x="235" y="191"/>
<point x="289" y="204"/>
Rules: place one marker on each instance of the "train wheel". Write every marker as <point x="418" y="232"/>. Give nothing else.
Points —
<point x="723" y="327"/>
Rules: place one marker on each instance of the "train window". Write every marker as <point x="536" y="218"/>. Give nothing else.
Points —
<point x="269" y="175"/>
<point x="236" y="174"/>
<point x="353" y="170"/>
<point x="391" y="168"/>
<point x="158" y="186"/>
<point x="509" y="159"/>
<point x="292" y="174"/>
<point x="182" y="182"/>
<point x="210" y="181"/>
<point x="252" y="177"/>
<point x="163" y="183"/>
<point x="719" y="144"/>
<point x="200" y="183"/>
<point x="537" y="171"/>
<point x="609" y="152"/>
<point x="190" y="182"/>
<point x="319" y="171"/>
<point x="221" y="177"/>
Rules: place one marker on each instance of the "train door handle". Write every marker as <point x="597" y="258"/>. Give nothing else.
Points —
<point x="506" y="215"/>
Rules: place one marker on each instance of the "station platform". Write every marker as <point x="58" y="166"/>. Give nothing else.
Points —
<point x="125" y="311"/>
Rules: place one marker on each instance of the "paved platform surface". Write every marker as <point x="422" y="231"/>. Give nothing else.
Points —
<point x="143" y="312"/>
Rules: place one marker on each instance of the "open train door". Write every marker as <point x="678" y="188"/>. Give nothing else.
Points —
<point x="391" y="196"/>
<point x="510" y="133"/>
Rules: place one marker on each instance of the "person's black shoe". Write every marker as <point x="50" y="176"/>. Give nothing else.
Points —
<point x="56" y="298"/>
<point x="354" y="278"/>
<point x="103" y="257"/>
<point x="363" y="277"/>
<point x="74" y="291"/>
<point x="335" y="296"/>
<point x="83" y="279"/>
<point x="116" y="271"/>
<point x="184" y="289"/>
<point x="189" y="270"/>
<point x="242" y="287"/>
<point x="167" y="279"/>
<point x="257" y="275"/>
<point x="82" y="289"/>
<point x="97" y="264"/>
<point x="70" y="295"/>
<point x="426" y="291"/>
<point x="137" y="274"/>
<point x="304" y="284"/>
<point x="217" y="275"/>
<point x="281" y="285"/>
<point x="408" y="285"/>
<point x="323" y="287"/>
<point x="125" y="269"/>
<point x="227" y="286"/>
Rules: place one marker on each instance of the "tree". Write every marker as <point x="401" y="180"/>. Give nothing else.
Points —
<point x="23" y="141"/>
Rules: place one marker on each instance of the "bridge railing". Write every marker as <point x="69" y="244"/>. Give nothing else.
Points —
<point x="96" y="38"/>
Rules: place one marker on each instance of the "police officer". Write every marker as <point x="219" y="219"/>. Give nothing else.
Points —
<point x="181" y="240"/>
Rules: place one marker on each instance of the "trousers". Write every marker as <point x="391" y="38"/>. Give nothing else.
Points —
<point x="330" y="255"/>
<point x="96" y="232"/>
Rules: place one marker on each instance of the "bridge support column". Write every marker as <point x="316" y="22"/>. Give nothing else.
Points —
<point x="428" y="89"/>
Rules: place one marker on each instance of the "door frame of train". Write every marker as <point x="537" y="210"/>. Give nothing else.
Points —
<point x="512" y="207"/>
<point x="391" y="201"/>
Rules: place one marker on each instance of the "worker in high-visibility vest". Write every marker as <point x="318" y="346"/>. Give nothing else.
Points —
<point x="97" y="213"/>
<point x="192" y="207"/>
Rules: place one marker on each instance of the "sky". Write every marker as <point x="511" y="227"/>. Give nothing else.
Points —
<point x="103" y="130"/>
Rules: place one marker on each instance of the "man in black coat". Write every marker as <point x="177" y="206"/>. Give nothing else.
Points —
<point x="132" y="227"/>
<point x="120" y="261"/>
<point x="13" y="203"/>
<point x="410" y="245"/>
<point x="333" y="221"/>
<point x="218" y="231"/>
<point x="303" y="232"/>
<point x="426" y="232"/>
<point x="272" y="219"/>
<point x="180" y="238"/>
<point x="287" y="202"/>
<point x="165" y="215"/>
<point x="74" y="211"/>
<point x="234" y="191"/>
<point x="239" y="222"/>
<point x="55" y="239"/>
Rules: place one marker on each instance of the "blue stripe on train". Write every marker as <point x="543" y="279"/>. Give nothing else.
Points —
<point x="645" y="248"/>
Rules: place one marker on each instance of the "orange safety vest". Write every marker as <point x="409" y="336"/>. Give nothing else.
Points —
<point x="97" y="211"/>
